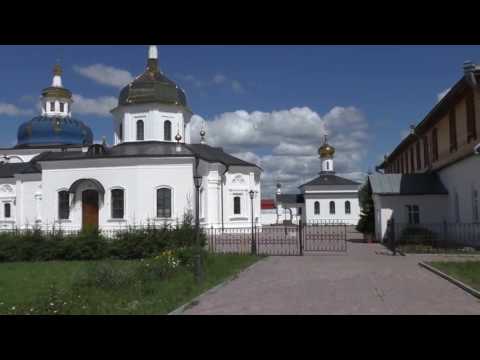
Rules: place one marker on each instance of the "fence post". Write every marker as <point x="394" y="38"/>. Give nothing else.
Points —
<point x="300" y="237"/>
<point x="392" y="236"/>
<point x="445" y="232"/>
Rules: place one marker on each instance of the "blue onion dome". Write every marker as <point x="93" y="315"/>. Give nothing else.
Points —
<point x="152" y="87"/>
<point x="51" y="131"/>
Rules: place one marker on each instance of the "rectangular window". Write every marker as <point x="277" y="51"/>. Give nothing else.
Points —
<point x="471" y="126"/>
<point x="62" y="107"/>
<point x="419" y="156"/>
<point x="118" y="204"/>
<point x="452" y="123"/>
<point x="63" y="205"/>
<point x="7" y="210"/>
<point x="475" y="212"/>
<point x="413" y="214"/>
<point x="434" y="144"/>
<point x="52" y="106"/>
<point x="237" y="205"/>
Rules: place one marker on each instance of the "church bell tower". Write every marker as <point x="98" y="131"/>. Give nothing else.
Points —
<point x="326" y="153"/>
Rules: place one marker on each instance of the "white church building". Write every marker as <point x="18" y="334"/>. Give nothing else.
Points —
<point x="326" y="199"/>
<point x="57" y="177"/>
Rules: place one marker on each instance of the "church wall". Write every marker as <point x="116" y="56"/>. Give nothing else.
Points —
<point x="26" y="208"/>
<point x="340" y="199"/>
<point x="139" y="178"/>
<point x="7" y="195"/>
<point x="238" y="183"/>
<point x="154" y="117"/>
<point x="432" y="210"/>
<point x="462" y="178"/>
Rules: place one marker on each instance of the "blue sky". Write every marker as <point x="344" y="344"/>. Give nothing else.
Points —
<point x="390" y="86"/>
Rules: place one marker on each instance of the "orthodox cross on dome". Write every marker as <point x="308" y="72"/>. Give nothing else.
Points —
<point x="57" y="75"/>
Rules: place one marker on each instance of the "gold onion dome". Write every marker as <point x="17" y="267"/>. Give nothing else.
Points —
<point x="57" y="91"/>
<point x="326" y="150"/>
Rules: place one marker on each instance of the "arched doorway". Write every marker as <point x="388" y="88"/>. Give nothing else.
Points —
<point x="90" y="209"/>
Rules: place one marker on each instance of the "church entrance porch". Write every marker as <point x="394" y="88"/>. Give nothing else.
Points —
<point x="90" y="209"/>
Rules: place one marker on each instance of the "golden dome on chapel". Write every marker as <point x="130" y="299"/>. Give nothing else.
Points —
<point x="326" y="150"/>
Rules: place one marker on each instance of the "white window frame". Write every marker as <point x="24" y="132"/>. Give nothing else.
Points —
<point x="58" y="207"/>
<point x="172" y="200"/>
<point x="111" y="218"/>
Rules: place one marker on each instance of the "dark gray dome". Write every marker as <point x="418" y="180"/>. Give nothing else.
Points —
<point x="152" y="87"/>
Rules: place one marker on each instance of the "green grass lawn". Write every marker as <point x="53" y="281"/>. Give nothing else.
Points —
<point x="25" y="286"/>
<point x="467" y="272"/>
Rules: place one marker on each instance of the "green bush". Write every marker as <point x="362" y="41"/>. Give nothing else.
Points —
<point x="91" y="245"/>
<point x="418" y="236"/>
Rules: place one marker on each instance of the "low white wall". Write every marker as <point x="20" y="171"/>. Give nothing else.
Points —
<point x="462" y="178"/>
<point x="432" y="210"/>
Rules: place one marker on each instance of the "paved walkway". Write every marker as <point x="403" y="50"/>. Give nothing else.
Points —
<point x="367" y="280"/>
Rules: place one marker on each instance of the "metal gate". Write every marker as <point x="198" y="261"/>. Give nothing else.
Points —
<point x="285" y="240"/>
<point x="323" y="237"/>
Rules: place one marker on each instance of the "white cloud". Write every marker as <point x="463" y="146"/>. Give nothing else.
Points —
<point x="105" y="75"/>
<point x="442" y="94"/>
<point x="13" y="110"/>
<point x="285" y="143"/>
<point x="100" y="106"/>
<point x="219" y="79"/>
<point x="216" y="80"/>
<point x="237" y="87"/>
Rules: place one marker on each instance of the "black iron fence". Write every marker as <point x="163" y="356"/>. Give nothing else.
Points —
<point x="284" y="240"/>
<point x="434" y="236"/>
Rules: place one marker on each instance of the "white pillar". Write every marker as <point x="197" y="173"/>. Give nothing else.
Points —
<point x="38" y="206"/>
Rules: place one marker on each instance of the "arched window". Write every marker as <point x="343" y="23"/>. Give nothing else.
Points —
<point x="167" y="131"/>
<point x="120" y="132"/>
<point x="7" y="210"/>
<point x="348" y="208"/>
<point x="164" y="203"/>
<point x="237" y="205"/>
<point x="118" y="204"/>
<point x="317" y="208"/>
<point x="332" y="207"/>
<point x="140" y="130"/>
<point x="63" y="205"/>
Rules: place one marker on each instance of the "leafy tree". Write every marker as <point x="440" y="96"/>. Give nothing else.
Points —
<point x="366" y="224"/>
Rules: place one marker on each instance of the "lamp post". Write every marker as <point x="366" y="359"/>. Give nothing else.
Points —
<point x="198" y="260"/>
<point x="254" y="244"/>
